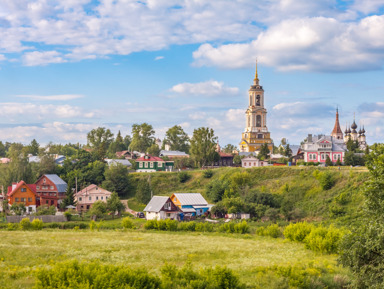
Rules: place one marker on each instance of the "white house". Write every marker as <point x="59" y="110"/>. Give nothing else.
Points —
<point x="161" y="208"/>
<point x="251" y="162"/>
<point x="89" y="195"/>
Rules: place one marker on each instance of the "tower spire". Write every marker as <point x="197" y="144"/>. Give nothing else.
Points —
<point x="337" y="132"/>
<point x="256" y="80"/>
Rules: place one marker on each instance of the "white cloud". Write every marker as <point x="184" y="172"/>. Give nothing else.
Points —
<point x="21" y="112"/>
<point x="42" y="58"/>
<point x="2" y="57"/>
<point x="52" y="97"/>
<point x="304" y="109"/>
<point x="209" y="88"/>
<point x="309" y="44"/>
<point x="367" y="6"/>
<point x="159" y="57"/>
<point x="198" y="115"/>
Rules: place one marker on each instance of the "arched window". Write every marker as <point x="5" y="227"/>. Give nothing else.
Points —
<point x="258" y="100"/>
<point x="258" y="121"/>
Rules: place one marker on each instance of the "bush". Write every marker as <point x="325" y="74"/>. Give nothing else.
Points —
<point x="207" y="174"/>
<point x="68" y="215"/>
<point x="150" y="225"/>
<point x="183" y="177"/>
<point x="171" y="225"/>
<point x="204" y="227"/>
<point x="73" y="274"/>
<point x="92" y="225"/>
<point x="187" y="226"/>
<point x="227" y="228"/>
<point x="242" y="228"/>
<point x="270" y="231"/>
<point x="298" y="232"/>
<point x="272" y="214"/>
<point x="12" y="226"/>
<point x="37" y="224"/>
<point x="25" y="224"/>
<point x="324" y="240"/>
<point x="326" y="181"/>
<point x="127" y="223"/>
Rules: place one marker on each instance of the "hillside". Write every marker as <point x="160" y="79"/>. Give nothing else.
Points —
<point x="285" y="188"/>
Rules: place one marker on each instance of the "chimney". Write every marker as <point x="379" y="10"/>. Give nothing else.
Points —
<point x="309" y="138"/>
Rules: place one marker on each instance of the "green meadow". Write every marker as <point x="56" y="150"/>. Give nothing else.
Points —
<point x="260" y="262"/>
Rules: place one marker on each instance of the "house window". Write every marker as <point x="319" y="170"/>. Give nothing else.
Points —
<point x="106" y="197"/>
<point x="80" y="199"/>
<point x="16" y="199"/>
<point x="22" y="199"/>
<point x="44" y="181"/>
<point x="140" y="164"/>
<point x="97" y="198"/>
<point x="90" y="198"/>
<point x="29" y="199"/>
<point x="322" y="156"/>
<point x="145" y="165"/>
<point x="97" y="188"/>
<point x="23" y="190"/>
<point x="51" y="187"/>
<point x="47" y="202"/>
<point x="245" y="164"/>
<point x="38" y="187"/>
<point x="102" y="197"/>
<point x="151" y="164"/>
<point x="254" y="164"/>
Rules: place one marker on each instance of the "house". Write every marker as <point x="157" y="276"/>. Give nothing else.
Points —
<point x="50" y="190"/>
<point x="125" y="154"/>
<point x="251" y="162"/>
<point x="124" y="162"/>
<point x="191" y="203"/>
<point x="22" y="193"/>
<point x="161" y="208"/>
<point x="317" y="148"/>
<point x="225" y="159"/>
<point x="173" y="154"/>
<point x="89" y="195"/>
<point x="149" y="164"/>
<point x="59" y="159"/>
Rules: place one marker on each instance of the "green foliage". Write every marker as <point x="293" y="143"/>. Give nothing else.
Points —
<point x="117" y="180"/>
<point x="231" y="227"/>
<point x="127" y="223"/>
<point x="115" y="205"/>
<point x="177" y="139"/>
<point x="215" y="190"/>
<point x="25" y="224"/>
<point x="98" y="209"/>
<point x="142" y="137"/>
<point x="351" y="159"/>
<point x="99" y="140"/>
<point x="207" y="174"/>
<point x="92" y="225"/>
<point x="270" y="231"/>
<point x="237" y="160"/>
<point x="328" y="161"/>
<point x="242" y="228"/>
<point x="19" y="209"/>
<point x="153" y="150"/>
<point x="37" y="224"/>
<point x="143" y="192"/>
<point x="12" y="226"/>
<point x="297" y="232"/>
<point x="203" y="227"/>
<point x="264" y="152"/>
<point x="68" y="215"/>
<point x="203" y="146"/>
<point x="75" y="274"/>
<point x="187" y="226"/>
<point x="272" y="214"/>
<point x="46" y="210"/>
<point x="183" y="177"/>
<point x="326" y="180"/>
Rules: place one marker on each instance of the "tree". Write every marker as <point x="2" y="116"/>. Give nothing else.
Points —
<point x="117" y="145"/>
<point x="328" y="161"/>
<point x="229" y="148"/>
<point x="264" y="152"/>
<point x="142" y="137"/>
<point x="117" y="180"/>
<point x="115" y="205"/>
<point x="33" y="148"/>
<point x="99" y="140"/>
<point x="127" y="141"/>
<point x="352" y="146"/>
<point x="363" y="249"/>
<point x="177" y="139"/>
<point x="351" y="159"/>
<point x="203" y="146"/>
<point x="69" y="199"/>
<point x="18" y="209"/>
<point x="143" y="192"/>
<point x="237" y="160"/>
<point x="2" y="149"/>
<point x="94" y="172"/>
<point x="154" y="150"/>
<point x="287" y="151"/>
<point x="98" y="209"/>
<point x="47" y="165"/>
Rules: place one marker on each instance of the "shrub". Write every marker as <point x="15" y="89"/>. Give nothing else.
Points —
<point x="183" y="177"/>
<point x="12" y="226"/>
<point x="127" y="223"/>
<point x="73" y="274"/>
<point x="92" y="225"/>
<point x="171" y="225"/>
<point x="25" y="224"/>
<point x="204" y="227"/>
<point x="298" y="232"/>
<point x="324" y="240"/>
<point x="150" y="225"/>
<point x="270" y="231"/>
<point x="272" y="214"/>
<point x="37" y="224"/>
<point x="227" y="228"/>
<point x="68" y="215"/>
<point x="207" y="174"/>
<point x="326" y="181"/>
<point x="187" y="226"/>
<point x="242" y="228"/>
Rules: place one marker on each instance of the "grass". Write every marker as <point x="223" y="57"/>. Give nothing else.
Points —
<point x="133" y="204"/>
<point x="21" y="252"/>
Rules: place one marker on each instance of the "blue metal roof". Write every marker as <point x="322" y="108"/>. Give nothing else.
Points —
<point x="60" y="184"/>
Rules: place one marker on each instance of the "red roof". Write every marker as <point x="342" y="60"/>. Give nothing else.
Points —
<point x="225" y="155"/>
<point x="149" y="159"/>
<point x="32" y="187"/>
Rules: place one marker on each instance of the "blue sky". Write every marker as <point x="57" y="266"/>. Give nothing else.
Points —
<point x="67" y="67"/>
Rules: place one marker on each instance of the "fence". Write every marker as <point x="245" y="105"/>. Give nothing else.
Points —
<point x="45" y="218"/>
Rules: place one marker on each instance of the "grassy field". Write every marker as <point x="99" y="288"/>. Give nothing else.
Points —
<point x="249" y="256"/>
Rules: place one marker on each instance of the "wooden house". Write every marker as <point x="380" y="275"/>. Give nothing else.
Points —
<point x="89" y="195"/>
<point x="161" y="208"/>
<point x="22" y="193"/>
<point x="50" y="190"/>
<point x="191" y="203"/>
<point x="149" y="164"/>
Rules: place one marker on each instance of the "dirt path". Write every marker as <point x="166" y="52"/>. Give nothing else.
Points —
<point x="127" y="209"/>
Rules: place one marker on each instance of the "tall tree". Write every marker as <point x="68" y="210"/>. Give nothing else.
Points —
<point x="127" y="141"/>
<point x="363" y="250"/>
<point x="203" y="146"/>
<point x="33" y="148"/>
<point x="229" y="148"/>
<point x="143" y="192"/>
<point x="117" y="145"/>
<point x="288" y="151"/>
<point x="117" y="180"/>
<point x="99" y="140"/>
<point x="2" y="149"/>
<point x="154" y="150"/>
<point x="69" y="199"/>
<point x="264" y="152"/>
<point x="177" y="139"/>
<point x="115" y="205"/>
<point x="142" y="137"/>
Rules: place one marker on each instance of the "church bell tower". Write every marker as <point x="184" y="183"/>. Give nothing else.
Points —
<point x="256" y="132"/>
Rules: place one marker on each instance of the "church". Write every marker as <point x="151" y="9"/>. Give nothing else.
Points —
<point x="256" y="132"/>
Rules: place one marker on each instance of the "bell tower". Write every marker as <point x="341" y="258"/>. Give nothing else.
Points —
<point x="256" y="132"/>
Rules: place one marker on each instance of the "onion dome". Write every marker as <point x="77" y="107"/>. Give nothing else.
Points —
<point x="363" y="131"/>
<point x="360" y="131"/>
<point x="354" y="125"/>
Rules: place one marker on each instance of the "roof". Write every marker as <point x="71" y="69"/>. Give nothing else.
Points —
<point x="149" y="159"/>
<point x="34" y="159"/>
<point x="164" y="153"/>
<point x="122" y="153"/>
<point x="188" y="210"/>
<point x="250" y="158"/>
<point x="294" y="149"/>
<point x="191" y="199"/>
<point x="156" y="204"/>
<point x="120" y="161"/>
<point x="60" y="184"/>
<point x="32" y="187"/>
<point x="225" y="155"/>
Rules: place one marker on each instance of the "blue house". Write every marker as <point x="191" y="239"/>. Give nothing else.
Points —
<point x="191" y="203"/>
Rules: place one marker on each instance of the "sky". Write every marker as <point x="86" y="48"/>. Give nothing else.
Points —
<point x="67" y="67"/>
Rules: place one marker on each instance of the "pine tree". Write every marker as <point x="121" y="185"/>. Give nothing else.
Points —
<point x="143" y="193"/>
<point x="328" y="161"/>
<point x="264" y="152"/>
<point x="69" y="199"/>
